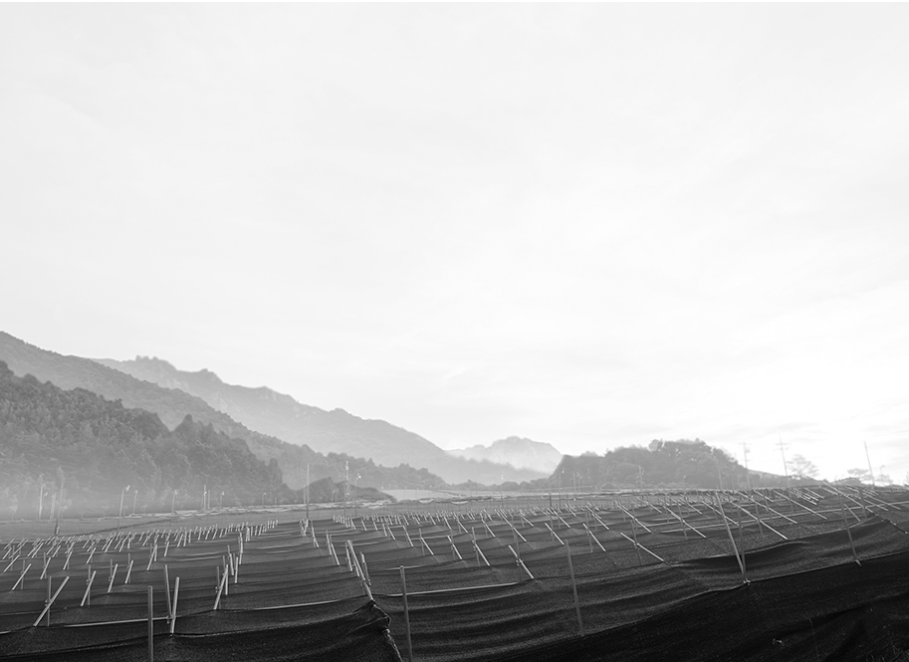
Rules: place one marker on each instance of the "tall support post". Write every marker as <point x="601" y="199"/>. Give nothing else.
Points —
<point x="306" y="492"/>
<point x="849" y="531"/>
<point x="173" y="613"/>
<point x="747" y="473"/>
<point x="167" y="590"/>
<point x="406" y="615"/>
<point x="574" y="591"/>
<point x="635" y="534"/>
<point x="735" y="549"/>
<point x="151" y="625"/>
<point x="785" y="465"/>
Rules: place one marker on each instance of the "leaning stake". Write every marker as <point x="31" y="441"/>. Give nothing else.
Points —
<point x="849" y="532"/>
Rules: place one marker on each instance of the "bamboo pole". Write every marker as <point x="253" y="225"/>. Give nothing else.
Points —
<point x="50" y="602"/>
<point x="406" y="615"/>
<point x="167" y="590"/>
<point x="21" y="577"/>
<point x="220" y="591"/>
<point x="113" y="574"/>
<point x="554" y="534"/>
<point x="760" y="523"/>
<point x="87" y="597"/>
<point x="593" y="538"/>
<point x="849" y="532"/>
<point x="574" y="591"/>
<point x="518" y="561"/>
<point x="173" y="613"/>
<point x="638" y="545"/>
<point x="454" y="549"/>
<point x="634" y="534"/>
<point x="151" y="625"/>
<point x="735" y="549"/>
<point x="480" y="553"/>
<point x="432" y="553"/>
<point x="365" y="568"/>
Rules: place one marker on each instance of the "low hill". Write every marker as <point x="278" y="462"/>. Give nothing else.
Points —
<point x="338" y="431"/>
<point x="98" y="450"/>
<point x="173" y="405"/>
<point x="662" y="464"/>
<point x="519" y="452"/>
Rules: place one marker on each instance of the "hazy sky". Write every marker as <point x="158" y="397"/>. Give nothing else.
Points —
<point x="593" y="225"/>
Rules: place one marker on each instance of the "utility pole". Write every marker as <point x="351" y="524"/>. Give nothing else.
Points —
<point x="747" y="473"/>
<point x="870" y="470"/>
<point x="40" y="495"/>
<point x="346" y="486"/>
<point x="785" y="467"/>
<point x="59" y="505"/>
<point x="120" y="513"/>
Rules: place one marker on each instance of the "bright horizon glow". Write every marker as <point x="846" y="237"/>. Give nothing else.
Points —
<point x="589" y="225"/>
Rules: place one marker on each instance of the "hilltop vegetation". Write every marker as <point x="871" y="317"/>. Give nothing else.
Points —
<point x="681" y="463"/>
<point x="93" y="448"/>
<point x="661" y="464"/>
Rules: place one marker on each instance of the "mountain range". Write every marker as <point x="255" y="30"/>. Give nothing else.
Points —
<point x="279" y="415"/>
<point x="519" y="452"/>
<point x="355" y="449"/>
<point x="297" y="463"/>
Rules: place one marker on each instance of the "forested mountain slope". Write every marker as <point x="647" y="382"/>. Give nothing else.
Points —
<point x="173" y="405"/>
<point x="94" y="448"/>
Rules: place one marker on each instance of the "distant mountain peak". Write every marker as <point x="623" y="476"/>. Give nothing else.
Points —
<point x="519" y="452"/>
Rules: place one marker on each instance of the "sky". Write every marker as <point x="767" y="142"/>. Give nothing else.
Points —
<point x="591" y="225"/>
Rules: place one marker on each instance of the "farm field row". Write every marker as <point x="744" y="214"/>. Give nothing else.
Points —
<point x="751" y="575"/>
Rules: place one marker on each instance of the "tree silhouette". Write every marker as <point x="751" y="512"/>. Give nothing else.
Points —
<point x="801" y="467"/>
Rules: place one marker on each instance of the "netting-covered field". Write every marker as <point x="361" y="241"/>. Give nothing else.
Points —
<point x="807" y="574"/>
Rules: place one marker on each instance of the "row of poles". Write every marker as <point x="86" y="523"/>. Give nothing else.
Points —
<point x="15" y="550"/>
